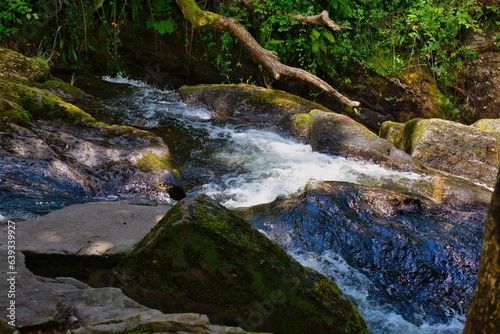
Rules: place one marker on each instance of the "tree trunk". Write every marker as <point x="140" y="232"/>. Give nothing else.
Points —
<point x="268" y="59"/>
<point x="484" y="311"/>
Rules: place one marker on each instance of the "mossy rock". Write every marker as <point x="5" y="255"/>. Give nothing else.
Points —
<point x="17" y="67"/>
<point x="203" y="258"/>
<point x="470" y="152"/>
<point x="490" y="124"/>
<point x="248" y="103"/>
<point x="62" y="89"/>
<point x="24" y="102"/>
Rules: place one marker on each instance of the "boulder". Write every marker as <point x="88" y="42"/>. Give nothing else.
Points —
<point x="463" y="151"/>
<point x="204" y="258"/>
<point x="421" y="258"/>
<point x="318" y="126"/>
<point x="47" y="143"/>
<point x="64" y="303"/>
<point x="480" y="77"/>
<point x="16" y="67"/>
<point x="98" y="228"/>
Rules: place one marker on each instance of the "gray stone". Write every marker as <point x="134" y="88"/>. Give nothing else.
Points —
<point x="463" y="151"/>
<point x="100" y="228"/>
<point x="65" y="303"/>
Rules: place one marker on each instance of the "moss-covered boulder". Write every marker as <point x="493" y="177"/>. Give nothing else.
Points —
<point x="50" y="146"/>
<point x="324" y="130"/>
<point x="465" y="151"/>
<point x="17" y="67"/>
<point x="203" y="258"/>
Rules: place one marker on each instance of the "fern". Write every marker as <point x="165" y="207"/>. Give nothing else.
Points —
<point x="162" y="27"/>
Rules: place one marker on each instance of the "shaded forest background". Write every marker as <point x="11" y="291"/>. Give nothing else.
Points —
<point x="383" y="41"/>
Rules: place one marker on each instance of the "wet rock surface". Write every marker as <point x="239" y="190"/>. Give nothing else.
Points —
<point x="422" y="256"/>
<point x="470" y="152"/>
<point x="323" y="129"/>
<point x="202" y="256"/>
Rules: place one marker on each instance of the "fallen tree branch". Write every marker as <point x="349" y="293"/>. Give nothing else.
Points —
<point x="268" y="59"/>
<point x="321" y="19"/>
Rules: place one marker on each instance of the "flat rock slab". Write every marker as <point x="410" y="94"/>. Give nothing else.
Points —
<point x="98" y="228"/>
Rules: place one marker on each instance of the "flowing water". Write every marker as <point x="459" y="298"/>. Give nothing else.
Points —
<point x="242" y="167"/>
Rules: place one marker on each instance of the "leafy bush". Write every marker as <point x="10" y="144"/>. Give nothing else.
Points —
<point x="12" y="15"/>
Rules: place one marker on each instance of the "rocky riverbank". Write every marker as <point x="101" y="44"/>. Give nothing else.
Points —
<point x="417" y="238"/>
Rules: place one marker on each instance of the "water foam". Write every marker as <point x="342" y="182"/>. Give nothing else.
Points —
<point x="380" y="319"/>
<point x="262" y="165"/>
<point x="146" y="106"/>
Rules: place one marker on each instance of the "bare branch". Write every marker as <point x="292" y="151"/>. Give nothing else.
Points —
<point x="268" y="59"/>
<point x="322" y="19"/>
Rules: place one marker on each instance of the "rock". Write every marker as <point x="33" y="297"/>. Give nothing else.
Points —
<point x="480" y="77"/>
<point x="488" y="125"/>
<point x="463" y="151"/>
<point x="16" y="67"/>
<point x="47" y="143"/>
<point x="204" y="258"/>
<point x="323" y="129"/>
<point x="420" y="257"/>
<point x="46" y="305"/>
<point x="340" y="135"/>
<point x="100" y="228"/>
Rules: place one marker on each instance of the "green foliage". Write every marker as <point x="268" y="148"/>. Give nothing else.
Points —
<point x="432" y="32"/>
<point x="12" y="15"/>
<point x="160" y="19"/>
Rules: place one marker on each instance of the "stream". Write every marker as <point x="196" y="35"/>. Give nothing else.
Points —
<point x="241" y="167"/>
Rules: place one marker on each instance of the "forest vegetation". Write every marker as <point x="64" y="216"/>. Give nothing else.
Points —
<point x="377" y="36"/>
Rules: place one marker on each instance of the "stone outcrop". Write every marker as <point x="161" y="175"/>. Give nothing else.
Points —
<point x="480" y="78"/>
<point x="470" y="152"/>
<point x="199" y="258"/>
<point x="202" y="256"/>
<point x="63" y="303"/>
<point x="48" y="143"/>
<point x="420" y="257"/>
<point x="324" y="130"/>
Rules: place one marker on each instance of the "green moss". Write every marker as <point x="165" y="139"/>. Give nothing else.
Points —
<point x="151" y="161"/>
<point x="41" y="104"/>
<point x="196" y="16"/>
<point x="38" y="68"/>
<point x="302" y="124"/>
<point x="203" y="258"/>
<point x="11" y="112"/>
<point x="411" y="134"/>
<point x="61" y="88"/>
<point x="390" y="131"/>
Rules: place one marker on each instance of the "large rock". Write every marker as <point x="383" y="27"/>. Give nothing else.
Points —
<point x="61" y="303"/>
<point x="480" y="77"/>
<point x="202" y="257"/>
<point x="323" y="129"/>
<point x="464" y="151"/>
<point x="57" y="154"/>
<point x="15" y="66"/>
<point x="98" y="228"/>
<point x="421" y="258"/>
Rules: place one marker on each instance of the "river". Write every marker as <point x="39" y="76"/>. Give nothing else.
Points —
<point x="242" y="166"/>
